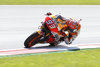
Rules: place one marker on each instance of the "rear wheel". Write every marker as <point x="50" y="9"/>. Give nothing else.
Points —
<point x="53" y="44"/>
<point x="32" y="40"/>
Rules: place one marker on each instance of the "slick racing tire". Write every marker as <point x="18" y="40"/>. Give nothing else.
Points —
<point x="32" y="40"/>
<point x="53" y="44"/>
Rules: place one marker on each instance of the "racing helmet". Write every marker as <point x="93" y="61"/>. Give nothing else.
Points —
<point x="73" y="25"/>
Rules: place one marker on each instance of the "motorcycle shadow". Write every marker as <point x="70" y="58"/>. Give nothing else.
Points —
<point x="58" y="47"/>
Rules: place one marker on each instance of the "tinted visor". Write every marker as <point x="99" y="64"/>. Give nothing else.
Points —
<point x="72" y="30"/>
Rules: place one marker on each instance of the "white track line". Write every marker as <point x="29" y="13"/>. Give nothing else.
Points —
<point x="48" y="49"/>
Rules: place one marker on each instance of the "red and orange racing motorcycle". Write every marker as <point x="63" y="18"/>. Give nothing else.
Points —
<point x="48" y="33"/>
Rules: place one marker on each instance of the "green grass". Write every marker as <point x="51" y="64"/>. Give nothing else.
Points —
<point x="50" y="2"/>
<point x="81" y="58"/>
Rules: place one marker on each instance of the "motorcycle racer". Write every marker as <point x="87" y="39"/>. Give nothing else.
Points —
<point x="53" y="31"/>
<point x="72" y="26"/>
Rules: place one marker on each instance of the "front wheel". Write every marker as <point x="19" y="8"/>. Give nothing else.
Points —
<point x="32" y="40"/>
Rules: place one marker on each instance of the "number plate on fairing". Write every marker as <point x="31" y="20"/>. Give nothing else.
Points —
<point x="51" y="25"/>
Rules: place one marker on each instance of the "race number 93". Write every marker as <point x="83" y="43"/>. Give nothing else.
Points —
<point x="51" y="24"/>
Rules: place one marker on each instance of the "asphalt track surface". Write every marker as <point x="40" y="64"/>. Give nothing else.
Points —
<point x="17" y="22"/>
